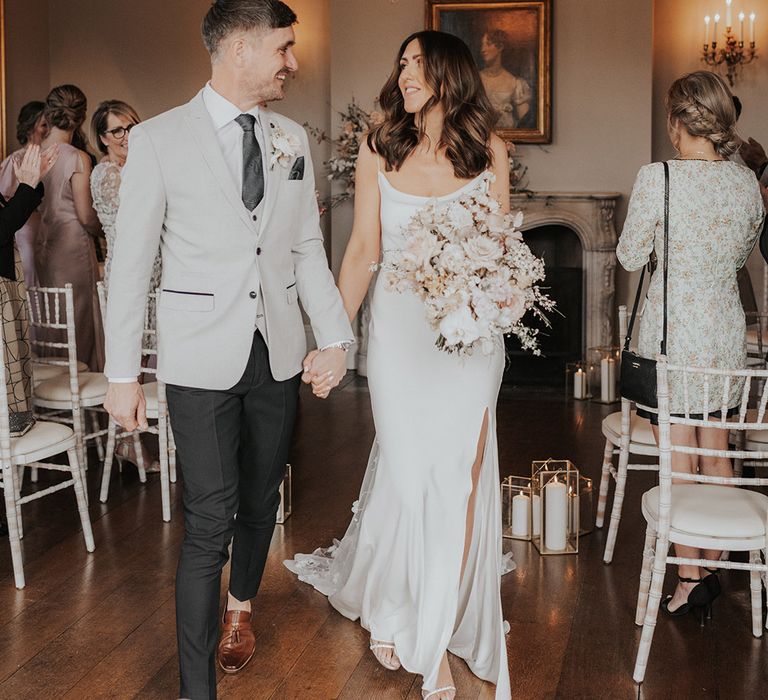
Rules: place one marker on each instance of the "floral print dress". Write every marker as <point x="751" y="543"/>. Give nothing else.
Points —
<point x="105" y="189"/>
<point x="715" y="215"/>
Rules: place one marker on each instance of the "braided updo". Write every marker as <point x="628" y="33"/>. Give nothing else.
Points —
<point x="704" y="105"/>
<point x="65" y="108"/>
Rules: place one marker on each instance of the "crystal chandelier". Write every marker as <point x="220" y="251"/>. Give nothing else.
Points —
<point x="733" y="52"/>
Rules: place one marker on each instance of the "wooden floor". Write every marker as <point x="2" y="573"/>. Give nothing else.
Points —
<point x="102" y="625"/>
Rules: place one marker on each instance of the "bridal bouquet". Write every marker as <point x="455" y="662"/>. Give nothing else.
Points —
<point x="477" y="278"/>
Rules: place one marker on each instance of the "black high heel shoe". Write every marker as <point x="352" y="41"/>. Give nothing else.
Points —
<point x="713" y="582"/>
<point x="699" y="600"/>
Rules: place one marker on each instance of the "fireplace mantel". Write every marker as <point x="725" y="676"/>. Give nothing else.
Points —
<point x="590" y="215"/>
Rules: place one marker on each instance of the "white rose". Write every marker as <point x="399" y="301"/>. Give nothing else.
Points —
<point x="452" y="258"/>
<point x="460" y="327"/>
<point x="459" y="216"/>
<point x="514" y="309"/>
<point x="483" y="252"/>
<point x="485" y="308"/>
<point x="421" y="247"/>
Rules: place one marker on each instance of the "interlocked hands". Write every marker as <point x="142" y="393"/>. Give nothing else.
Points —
<point x="32" y="166"/>
<point x="324" y="370"/>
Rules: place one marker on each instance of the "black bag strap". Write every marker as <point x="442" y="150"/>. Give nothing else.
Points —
<point x="665" y="272"/>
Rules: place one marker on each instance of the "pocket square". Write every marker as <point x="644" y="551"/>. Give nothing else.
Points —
<point x="297" y="171"/>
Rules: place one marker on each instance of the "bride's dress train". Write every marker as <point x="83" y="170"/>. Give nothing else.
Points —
<point x="398" y="568"/>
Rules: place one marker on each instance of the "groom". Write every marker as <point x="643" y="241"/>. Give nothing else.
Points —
<point x="225" y="188"/>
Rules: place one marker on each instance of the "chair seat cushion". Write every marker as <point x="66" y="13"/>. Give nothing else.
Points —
<point x="708" y="510"/>
<point x="92" y="386"/>
<point x="640" y="431"/>
<point x="41" y="435"/>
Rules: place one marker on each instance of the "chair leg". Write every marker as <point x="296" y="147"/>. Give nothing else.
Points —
<point x="13" y="530"/>
<point x="652" y="610"/>
<point x="645" y="575"/>
<point x="738" y="464"/>
<point x="16" y="484"/>
<point x="77" y="426"/>
<point x="605" y="479"/>
<point x="618" y="501"/>
<point x="82" y="500"/>
<point x="96" y="428"/>
<point x="165" y="486"/>
<point x="109" y="457"/>
<point x="139" y="456"/>
<point x="756" y="588"/>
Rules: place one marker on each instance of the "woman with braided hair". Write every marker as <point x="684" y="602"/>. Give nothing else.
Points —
<point x="65" y="250"/>
<point x="715" y="215"/>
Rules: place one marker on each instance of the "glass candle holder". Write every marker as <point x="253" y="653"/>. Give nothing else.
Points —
<point x="577" y="381"/>
<point x="519" y="511"/>
<point x="556" y="484"/>
<point x="585" y="505"/>
<point x="603" y="369"/>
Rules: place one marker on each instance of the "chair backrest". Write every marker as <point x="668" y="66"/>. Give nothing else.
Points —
<point x="695" y="415"/>
<point x="149" y="335"/>
<point x="54" y="341"/>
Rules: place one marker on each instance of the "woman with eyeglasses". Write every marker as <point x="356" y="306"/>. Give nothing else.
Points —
<point x="65" y="249"/>
<point x="110" y="125"/>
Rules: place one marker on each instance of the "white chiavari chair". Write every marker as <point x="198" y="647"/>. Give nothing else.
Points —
<point x="625" y="434"/>
<point x="42" y="441"/>
<point x="67" y="396"/>
<point x="705" y="512"/>
<point x="157" y="410"/>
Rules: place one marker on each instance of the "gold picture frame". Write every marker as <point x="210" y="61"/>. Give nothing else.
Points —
<point x="511" y="41"/>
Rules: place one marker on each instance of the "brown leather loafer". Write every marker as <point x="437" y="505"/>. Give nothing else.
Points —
<point x="237" y="642"/>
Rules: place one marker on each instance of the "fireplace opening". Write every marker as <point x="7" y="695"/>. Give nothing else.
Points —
<point x="563" y="342"/>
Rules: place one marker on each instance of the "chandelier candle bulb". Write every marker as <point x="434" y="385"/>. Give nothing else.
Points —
<point x="707" y="20"/>
<point x="741" y="25"/>
<point x="555" y="525"/>
<point x="752" y="28"/>
<point x="728" y="23"/>
<point x="714" y="32"/>
<point x="521" y="515"/>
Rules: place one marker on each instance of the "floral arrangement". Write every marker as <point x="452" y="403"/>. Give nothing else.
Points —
<point x="477" y="278"/>
<point x="285" y="147"/>
<point x="355" y="124"/>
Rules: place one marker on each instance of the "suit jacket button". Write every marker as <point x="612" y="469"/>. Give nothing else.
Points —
<point x="253" y="295"/>
<point x="258" y="251"/>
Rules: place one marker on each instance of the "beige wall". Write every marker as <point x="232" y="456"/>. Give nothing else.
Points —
<point x="27" y="61"/>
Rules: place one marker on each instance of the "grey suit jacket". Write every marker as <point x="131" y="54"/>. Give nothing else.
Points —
<point x="177" y="194"/>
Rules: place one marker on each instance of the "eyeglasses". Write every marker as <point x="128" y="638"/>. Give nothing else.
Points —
<point x="120" y="132"/>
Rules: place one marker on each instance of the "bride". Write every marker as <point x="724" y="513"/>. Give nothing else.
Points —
<point x="420" y="564"/>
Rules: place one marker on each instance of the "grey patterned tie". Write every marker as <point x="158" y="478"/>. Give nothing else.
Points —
<point x="253" y="168"/>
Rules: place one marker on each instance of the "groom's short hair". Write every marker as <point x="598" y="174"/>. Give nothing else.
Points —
<point x="227" y="16"/>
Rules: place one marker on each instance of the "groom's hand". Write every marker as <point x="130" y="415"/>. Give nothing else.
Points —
<point x="328" y="369"/>
<point x="126" y="404"/>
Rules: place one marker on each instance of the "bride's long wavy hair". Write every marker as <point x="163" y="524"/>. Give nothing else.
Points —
<point x="451" y="74"/>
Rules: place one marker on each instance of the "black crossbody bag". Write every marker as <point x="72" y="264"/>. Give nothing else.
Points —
<point x="637" y="381"/>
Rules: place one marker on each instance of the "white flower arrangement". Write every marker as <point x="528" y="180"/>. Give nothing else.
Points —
<point x="468" y="263"/>
<point x="285" y="147"/>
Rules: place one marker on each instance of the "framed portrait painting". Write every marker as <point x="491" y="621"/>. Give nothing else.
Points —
<point x="511" y="41"/>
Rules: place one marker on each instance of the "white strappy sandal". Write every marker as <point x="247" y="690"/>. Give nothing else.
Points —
<point x="391" y="665"/>
<point x="432" y="693"/>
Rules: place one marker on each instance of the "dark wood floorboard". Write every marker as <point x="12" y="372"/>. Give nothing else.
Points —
<point x="101" y="625"/>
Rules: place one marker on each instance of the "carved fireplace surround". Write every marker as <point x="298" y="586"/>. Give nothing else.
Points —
<point x="590" y="215"/>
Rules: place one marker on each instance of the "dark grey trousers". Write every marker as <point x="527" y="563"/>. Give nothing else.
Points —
<point x="232" y="446"/>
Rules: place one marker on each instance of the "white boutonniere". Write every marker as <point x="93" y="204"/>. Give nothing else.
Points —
<point x="285" y="147"/>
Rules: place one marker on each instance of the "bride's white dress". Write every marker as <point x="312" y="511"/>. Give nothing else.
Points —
<point x="398" y="567"/>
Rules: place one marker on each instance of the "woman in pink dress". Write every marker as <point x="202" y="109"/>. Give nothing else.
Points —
<point x="65" y="250"/>
<point x="31" y="128"/>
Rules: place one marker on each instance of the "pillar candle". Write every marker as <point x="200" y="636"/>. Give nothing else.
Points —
<point x="536" y="515"/>
<point x="555" y="514"/>
<point x="579" y="384"/>
<point x="521" y="515"/>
